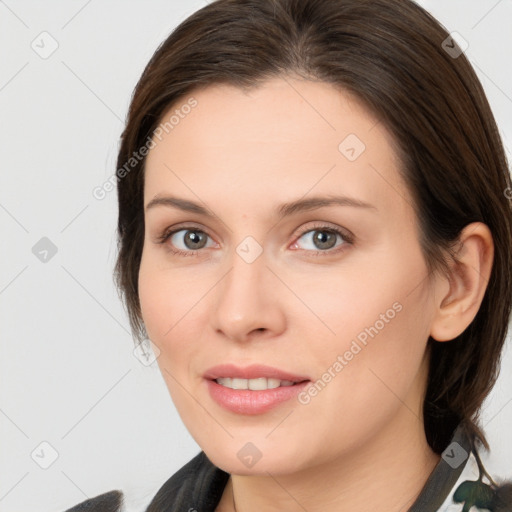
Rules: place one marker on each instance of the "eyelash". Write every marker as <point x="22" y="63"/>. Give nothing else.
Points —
<point x="348" y="239"/>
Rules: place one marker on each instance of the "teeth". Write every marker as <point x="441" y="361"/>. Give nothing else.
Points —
<point x="253" y="384"/>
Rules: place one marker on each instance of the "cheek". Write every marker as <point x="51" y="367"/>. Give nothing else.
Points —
<point x="173" y="306"/>
<point x="153" y="299"/>
<point x="371" y="297"/>
<point x="167" y="297"/>
<point x="161" y="309"/>
<point x="380" y="320"/>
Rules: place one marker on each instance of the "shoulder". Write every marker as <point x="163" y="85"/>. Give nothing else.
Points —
<point x="198" y="484"/>
<point x="111" y="501"/>
<point x="475" y="488"/>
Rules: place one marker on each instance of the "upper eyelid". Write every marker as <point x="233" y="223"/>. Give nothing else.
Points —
<point x="317" y="225"/>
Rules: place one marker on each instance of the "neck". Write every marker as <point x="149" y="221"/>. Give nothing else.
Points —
<point x="389" y="472"/>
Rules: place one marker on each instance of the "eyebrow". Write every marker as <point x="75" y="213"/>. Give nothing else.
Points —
<point x="283" y="210"/>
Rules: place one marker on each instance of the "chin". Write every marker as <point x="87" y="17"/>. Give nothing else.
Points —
<point x="237" y="460"/>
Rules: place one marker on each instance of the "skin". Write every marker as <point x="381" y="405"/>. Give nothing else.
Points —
<point x="360" y="443"/>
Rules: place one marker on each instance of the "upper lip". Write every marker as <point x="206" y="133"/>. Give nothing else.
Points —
<point x="253" y="371"/>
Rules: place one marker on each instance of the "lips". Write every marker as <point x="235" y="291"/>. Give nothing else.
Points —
<point x="254" y="371"/>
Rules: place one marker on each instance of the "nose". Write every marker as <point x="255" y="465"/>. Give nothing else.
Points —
<point x="248" y="302"/>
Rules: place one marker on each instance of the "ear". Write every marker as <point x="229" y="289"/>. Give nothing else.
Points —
<point x="458" y="297"/>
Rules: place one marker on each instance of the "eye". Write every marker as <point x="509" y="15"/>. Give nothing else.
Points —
<point x="185" y="241"/>
<point x="322" y="239"/>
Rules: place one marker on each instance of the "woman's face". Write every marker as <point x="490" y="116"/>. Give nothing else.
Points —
<point x="258" y="282"/>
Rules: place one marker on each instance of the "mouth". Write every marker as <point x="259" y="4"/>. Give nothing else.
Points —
<point x="254" y="389"/>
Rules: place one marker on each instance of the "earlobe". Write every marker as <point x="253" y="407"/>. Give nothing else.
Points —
<point x="469" y="276"/>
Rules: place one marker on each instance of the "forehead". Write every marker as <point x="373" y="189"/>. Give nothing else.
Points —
<point x="276" y="142"/>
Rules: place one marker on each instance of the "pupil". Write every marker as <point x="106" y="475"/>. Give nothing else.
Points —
<point x="194" y="238"/>
<point x="322" y="237"/>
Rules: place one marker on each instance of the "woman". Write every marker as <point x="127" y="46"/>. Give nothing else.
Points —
<point x="315" y="234"/>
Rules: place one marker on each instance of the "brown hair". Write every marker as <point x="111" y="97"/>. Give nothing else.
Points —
<point x="393" y="55"/>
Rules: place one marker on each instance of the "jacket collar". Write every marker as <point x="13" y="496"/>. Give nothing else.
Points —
<point x="199" y="484"/>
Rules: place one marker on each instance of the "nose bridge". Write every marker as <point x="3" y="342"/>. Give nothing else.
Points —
<point x="245" y="280"/>
<point x="247" y="266"/>
<point x="243" y="298"/>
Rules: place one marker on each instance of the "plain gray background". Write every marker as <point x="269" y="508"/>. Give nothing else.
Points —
<point x="70" y="379"/>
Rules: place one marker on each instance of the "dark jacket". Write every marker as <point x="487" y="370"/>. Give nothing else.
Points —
<point x="199" y="485"/>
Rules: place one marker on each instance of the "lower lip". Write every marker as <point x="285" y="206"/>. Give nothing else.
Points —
<point x="246" y="401"/>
